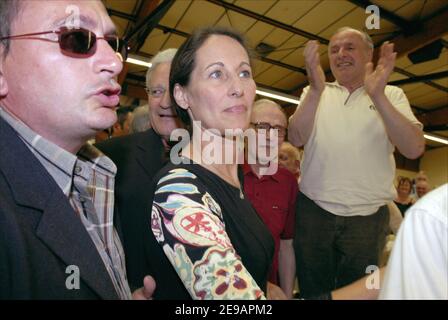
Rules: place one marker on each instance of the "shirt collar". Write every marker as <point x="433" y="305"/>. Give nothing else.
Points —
<point x="60" y="157"/>
<point x="247" y="170"/>
<point x="337" y="84"/>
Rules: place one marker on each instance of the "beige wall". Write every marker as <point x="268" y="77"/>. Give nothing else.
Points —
<point x="435" y="164"/>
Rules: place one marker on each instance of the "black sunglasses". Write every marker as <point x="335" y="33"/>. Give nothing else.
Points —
<point x="79" y="42"/>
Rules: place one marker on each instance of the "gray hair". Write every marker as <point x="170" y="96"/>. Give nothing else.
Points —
<point x="140" y="120"/>
<point x="260" y="102"/>
<point x="161" y="57"/>
<point x="364" y="36"/>
<point x="9" y="10"/>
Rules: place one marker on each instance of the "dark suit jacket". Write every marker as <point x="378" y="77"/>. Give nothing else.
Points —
<point x="138" y="158"/>
<point x="40" y="233"/>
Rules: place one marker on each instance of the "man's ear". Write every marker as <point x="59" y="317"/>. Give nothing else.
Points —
<point x="181" y="97"/>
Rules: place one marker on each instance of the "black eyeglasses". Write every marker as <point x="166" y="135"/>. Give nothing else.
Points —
<point x="79" y="42"/>
<point x="267" y="126"/>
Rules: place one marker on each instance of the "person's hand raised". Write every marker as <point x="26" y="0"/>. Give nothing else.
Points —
<point x="375" y="80"/>
<point x="316" y="76"/>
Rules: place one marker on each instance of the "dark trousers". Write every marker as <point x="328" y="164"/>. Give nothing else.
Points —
<point x="333" y="251"/>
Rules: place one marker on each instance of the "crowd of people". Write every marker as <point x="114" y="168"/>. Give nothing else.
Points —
<point x="223" y="217"/>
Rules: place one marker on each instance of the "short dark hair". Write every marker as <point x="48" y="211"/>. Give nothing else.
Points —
<point x="9" y="9"/>
<point x="185" y="60"/>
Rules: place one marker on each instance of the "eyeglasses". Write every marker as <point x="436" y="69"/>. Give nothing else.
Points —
<point x="79" y="42"/>
<point x="156" y="92"/>
<point x="267" y="126"/>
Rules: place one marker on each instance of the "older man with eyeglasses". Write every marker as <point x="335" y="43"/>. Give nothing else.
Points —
<point x="138" y="158"/>
<point x="273" y="195"/>
<point x="57" y="88"/>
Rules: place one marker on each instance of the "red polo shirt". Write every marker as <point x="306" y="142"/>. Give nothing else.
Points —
<point x="274" y="198"/>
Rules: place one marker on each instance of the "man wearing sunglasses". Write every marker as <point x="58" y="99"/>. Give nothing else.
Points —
<point x="57" y="88"/>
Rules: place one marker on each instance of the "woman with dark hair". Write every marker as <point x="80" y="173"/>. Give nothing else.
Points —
<point x="213" y="238"/>
<point x="404" y="200"/>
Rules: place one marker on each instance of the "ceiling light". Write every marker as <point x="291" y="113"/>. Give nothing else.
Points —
<point x="436" y="138"/>
<point x="138" y="61"/>
<point x="277" y="95"/>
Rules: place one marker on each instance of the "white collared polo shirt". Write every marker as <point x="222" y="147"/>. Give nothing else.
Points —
<point x="348" y="165"/>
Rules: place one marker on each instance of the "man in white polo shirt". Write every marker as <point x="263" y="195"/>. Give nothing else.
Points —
<point x="349" y="129"/>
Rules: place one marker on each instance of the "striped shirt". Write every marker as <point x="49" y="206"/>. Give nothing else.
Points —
<point x="87" y="179"/>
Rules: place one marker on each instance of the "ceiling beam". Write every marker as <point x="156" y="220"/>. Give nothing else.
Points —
<point x="137" y="22"/>
<point x="123" y="15"/>
<point x="428" y="82"/>
<point x="431" y="76"/>
<point x="146" y="7"/>
<point x="435" y="24"/>
<point x="272" y="22"/>
<point x="407" y="27"/>
<point x="281" y="64"/>
<point x="137" y="36"/>
<point x="166" y="29"/>
<point x="430" y="30"/>
<point x="271" y="61"/>
<point x="437" y="117"/>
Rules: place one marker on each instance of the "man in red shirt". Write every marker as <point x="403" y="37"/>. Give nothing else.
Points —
<point x="273" y="196"/>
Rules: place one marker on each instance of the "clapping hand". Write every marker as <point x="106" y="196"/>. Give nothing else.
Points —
<point x="375" y="80"/>
<point x="316" y="76"/>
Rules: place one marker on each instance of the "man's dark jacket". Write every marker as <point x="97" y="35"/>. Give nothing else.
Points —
<point x="41" y="235"/>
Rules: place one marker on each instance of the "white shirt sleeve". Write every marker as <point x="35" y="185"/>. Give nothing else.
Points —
<point x="399" y="100"/>
<point x="418" y="266"/>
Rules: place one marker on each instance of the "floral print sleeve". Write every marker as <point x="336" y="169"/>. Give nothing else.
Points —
<point x="187" y="222"/>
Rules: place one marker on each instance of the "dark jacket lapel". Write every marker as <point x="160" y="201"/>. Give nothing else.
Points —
<point x="59" y="228"/>
<point x="150" y="152"/>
